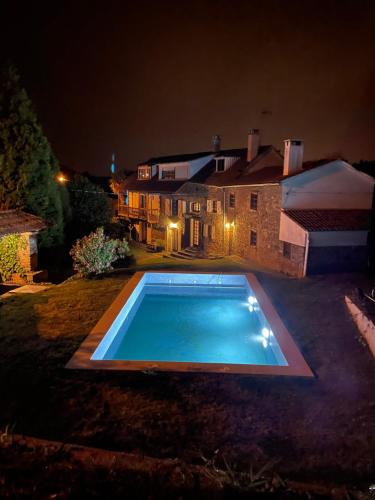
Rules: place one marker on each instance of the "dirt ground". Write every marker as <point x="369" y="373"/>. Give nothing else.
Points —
<point x="321" y="429"/>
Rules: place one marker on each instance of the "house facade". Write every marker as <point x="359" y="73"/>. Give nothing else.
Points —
<point x="289" y="215"/>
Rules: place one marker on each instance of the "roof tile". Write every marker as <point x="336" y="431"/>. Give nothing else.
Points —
<point x="331" y="219"/>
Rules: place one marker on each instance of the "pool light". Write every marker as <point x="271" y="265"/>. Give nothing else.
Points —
<point x="266" y="333"/>
<point x="252" y="300"/>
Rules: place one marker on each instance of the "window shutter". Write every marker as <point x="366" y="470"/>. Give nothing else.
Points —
<point x="209" y="205"/>
<point x="213" y="232"/>
<point x="181" y="207"/>
<point x="167" y="206"/>
<point x="205" y="230"/>
<point x="218" y="206"/>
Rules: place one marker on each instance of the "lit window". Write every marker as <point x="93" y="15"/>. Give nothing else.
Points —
<point x="254" y="201"/>
<point x="220" y="165"/>
<point x="126" y="198"/>
<point x="168" y="174"/>
<point x="144" y="173"/>
<point x="232" y="200"/>
<point x="214" y="206"/>
<point x="253" y="238"/>
<point x="196" y="207"/>
<point x="287" y="250"/>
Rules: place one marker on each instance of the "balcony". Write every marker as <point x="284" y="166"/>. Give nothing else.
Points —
<point x="149" y="215"/>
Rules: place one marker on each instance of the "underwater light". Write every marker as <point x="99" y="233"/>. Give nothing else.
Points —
<point x="265" y="343"/>
<point x="265" y="333"/>
<point x="251" y="308"/>
<point x="252" y="300"/>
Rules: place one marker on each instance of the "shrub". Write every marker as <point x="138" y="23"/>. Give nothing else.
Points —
<point x="94" y="254"/>
<point x="9" y="258"/>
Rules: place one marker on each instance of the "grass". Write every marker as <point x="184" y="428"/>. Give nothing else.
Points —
<point x="321" y="429"/>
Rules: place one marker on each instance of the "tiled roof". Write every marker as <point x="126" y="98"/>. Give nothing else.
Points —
<point x="331" y="219"/>
<point x="17" y="221"/>
<point x="240" y="173"/>
<point x="154" y="185"/>
<point x="193" y="156"/>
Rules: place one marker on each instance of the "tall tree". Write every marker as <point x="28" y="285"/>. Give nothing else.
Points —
<point x="90" y="207"/>
<point x="28" y="167"/>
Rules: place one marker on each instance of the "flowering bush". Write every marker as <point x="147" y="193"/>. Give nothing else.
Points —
<point x="94" y="254"/>
<point x="9" y="258"/>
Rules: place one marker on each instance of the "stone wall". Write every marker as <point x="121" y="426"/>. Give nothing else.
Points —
<point x="28" y="253"/>
<point x="265" y="221"/>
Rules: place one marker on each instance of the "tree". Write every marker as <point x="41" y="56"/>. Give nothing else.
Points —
<point x="27" y="165"/>
<point x="89" y="207"/>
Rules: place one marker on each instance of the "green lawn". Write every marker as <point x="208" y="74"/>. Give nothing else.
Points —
<point x="321" y="428"/>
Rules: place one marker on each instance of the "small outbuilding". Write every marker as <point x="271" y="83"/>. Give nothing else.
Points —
<point x="28" y="226"/>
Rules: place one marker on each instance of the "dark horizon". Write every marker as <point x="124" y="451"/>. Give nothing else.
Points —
<point x="160" y="79"/>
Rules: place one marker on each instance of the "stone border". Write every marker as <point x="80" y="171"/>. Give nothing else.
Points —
<point x="365" y="326"/>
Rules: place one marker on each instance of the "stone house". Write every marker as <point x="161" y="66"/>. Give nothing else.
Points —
<point x="28" y="226"/>
<point x="289" y="215"/>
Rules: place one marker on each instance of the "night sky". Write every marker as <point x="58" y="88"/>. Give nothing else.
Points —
<point x="152" y="78"/>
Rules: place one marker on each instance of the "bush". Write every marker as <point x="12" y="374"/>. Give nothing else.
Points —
<point x="9" y="259"/>
<point x="94" y="254"/>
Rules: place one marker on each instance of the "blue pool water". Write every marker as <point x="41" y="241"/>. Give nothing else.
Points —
<point x="192" y="322"/>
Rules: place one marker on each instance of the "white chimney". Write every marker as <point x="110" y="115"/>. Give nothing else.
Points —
<point x="253" y="142"/>
<point x="293" y="156"/>
<point x="216" y="143"/>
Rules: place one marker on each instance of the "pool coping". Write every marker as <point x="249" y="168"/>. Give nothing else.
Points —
<point x="297" y="365"/>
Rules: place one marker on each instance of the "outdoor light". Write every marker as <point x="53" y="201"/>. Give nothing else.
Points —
<point x="227" y="225"/>
<point x="173" y="225"/>
<point x="232" y="224"/>
<point x="61" y="178"/>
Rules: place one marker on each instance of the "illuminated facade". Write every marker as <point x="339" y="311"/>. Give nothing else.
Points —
<point x="253" y="202"/>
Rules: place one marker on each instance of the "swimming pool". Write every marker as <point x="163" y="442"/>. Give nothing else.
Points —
<point x="192" y="322"/>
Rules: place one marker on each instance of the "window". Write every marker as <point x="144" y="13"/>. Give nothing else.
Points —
<point x="168" y="174"/>
<point x="144" y="173"/>
<point x="126" y="198"/>
<point x="253" y="238"/>
<point x="287" y="250"/>
<point x="211" y="232"/>
<point x="142" y="201"/>
<point x="174" y="207"/>
<point x="254" y="201"/>
<point x="220" y="165"/>
<point x="195" y="206"/>
<point x="232" y="200"/>
<point x="214" y="206"/>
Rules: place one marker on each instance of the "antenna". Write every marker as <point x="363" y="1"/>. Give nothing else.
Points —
<point x="113" y="166"/>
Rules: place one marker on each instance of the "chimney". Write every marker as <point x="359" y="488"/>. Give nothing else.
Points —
<point x="293" y="156"/>
<point x="216" y="140"/>
<point x="253" y="142"/>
